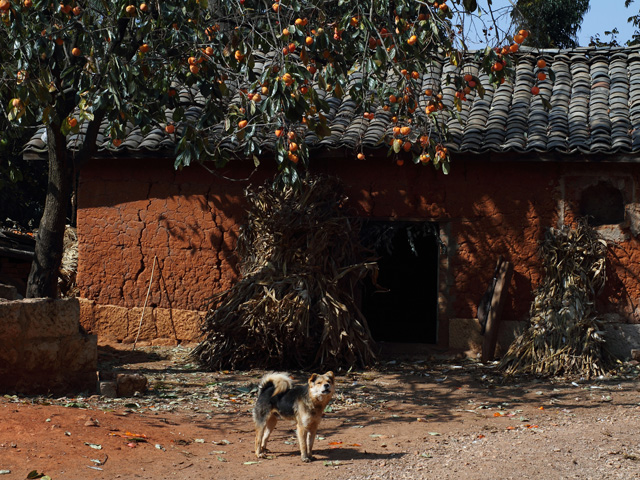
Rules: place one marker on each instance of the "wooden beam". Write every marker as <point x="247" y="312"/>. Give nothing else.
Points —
<point x="15" y="253"/>
<point x="505" y="271"/>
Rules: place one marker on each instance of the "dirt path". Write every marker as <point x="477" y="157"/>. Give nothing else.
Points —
<point x="417" y="418"/>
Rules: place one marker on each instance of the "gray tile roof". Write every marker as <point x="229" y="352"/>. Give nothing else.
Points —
<point x="594" y="98"/>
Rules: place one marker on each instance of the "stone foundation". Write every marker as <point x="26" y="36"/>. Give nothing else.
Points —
<point x="622" y="339"/>
<point x="43" y="350"/>
<point x="464" y="335"/>
<point x="158" y="326"/>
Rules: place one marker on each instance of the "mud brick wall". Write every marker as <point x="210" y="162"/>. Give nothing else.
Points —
<point x="132" y="210"/>
<point x="43" y="351"/>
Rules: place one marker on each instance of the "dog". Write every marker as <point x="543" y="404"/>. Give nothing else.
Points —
<point x="278" y="397"/>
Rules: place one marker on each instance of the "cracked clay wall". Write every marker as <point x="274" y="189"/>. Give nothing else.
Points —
<point x="136" y="212"/>
<point x="131" y="211"/>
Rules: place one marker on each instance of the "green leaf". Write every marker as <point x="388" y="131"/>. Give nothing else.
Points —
<point x="470" y="5"/>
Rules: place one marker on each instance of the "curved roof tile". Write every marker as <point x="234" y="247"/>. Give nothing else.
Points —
<point x="594" y="98"/>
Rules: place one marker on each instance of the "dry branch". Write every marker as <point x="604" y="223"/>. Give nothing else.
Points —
<point x="294" y="306"/>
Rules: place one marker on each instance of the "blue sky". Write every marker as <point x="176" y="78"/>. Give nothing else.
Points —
<point x="603" y="15"/>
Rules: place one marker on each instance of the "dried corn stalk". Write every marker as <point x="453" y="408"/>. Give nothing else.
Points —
<point x="294" y="305"/>
<point x="565" y="335"/>
<point x="67" y="286"/>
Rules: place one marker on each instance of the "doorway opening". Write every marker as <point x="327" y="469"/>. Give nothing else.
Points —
<point x="403" y="306"/>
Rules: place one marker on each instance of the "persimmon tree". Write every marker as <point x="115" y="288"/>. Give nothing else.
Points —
<point x="259" y="69"/>
<point x="556" y="21"/>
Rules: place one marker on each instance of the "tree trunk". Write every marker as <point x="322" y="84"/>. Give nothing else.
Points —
<point x="43" y="278"/>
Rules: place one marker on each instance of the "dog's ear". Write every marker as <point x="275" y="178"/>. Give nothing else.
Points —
<point x="313" y="377"/>
<point x="331" y="376"/>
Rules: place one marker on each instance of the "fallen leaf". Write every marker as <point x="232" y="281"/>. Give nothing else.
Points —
<point x="335" y="443"/>
<point x="435" y="434"/>
<point x="250" y="463"/>
<point x="94" y="445"/>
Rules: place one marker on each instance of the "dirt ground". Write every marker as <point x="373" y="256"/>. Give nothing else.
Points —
<point x="416" y="417"/>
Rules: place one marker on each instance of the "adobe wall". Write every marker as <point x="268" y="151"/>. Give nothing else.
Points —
<point x="131" y="211"/>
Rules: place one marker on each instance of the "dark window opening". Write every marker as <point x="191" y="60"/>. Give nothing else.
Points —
<point x="405" y="308"/>
<point x="602" y="204"/>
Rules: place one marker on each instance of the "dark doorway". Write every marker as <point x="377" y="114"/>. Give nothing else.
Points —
<point x="404" y="306"/>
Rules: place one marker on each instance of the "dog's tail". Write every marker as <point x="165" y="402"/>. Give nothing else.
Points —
<point x="281" y="382"/>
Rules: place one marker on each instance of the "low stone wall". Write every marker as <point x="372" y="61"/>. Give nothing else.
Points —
<point x="464" y="334"/>
<point x="43" y="350"/>
<point x="622" y="339"/>
<point x="158" y="326"/>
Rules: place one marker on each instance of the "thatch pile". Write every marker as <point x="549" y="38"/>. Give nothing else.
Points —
<point x="565" y="336"/>
<point x="67" y="286"/>
<point x="294" y="306"/>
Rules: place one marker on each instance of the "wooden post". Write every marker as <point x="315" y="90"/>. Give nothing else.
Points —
<point x="505" y="271"/>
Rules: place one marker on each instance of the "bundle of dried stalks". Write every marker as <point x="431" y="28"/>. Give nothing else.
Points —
<point x="67" y="286"/>
<point x="294" y="305"/>
<point x="565" y="335"/>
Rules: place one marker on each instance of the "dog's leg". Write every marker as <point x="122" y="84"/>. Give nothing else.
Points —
<point x="261" y="441"/>
<point x="311" y="437"/>
<point x="259" y="435"/>
<point x="303" y="441"/>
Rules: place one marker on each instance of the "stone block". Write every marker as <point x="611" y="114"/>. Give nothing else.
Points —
<point x="144" y="324"/>
<point x="46" y="317"/>
<point x="41" y="354"/>
<point x="186" y="324"/>
<point x="80" y="352"/>
<point x="112" y="320"/>
<point x="42" y="350"/>
<point x="130" y="383"/>
<point x="166" y="342"/>
<point x="464" y="334"/>
<point x="11" y="324"/>
<point x="87" y="316"/>
<point x="109" y="389"/>
<point x="8" y="291"/>
<point x="622" y="339"/>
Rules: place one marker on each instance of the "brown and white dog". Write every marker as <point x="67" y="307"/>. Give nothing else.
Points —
<point x="278" y="397"/>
